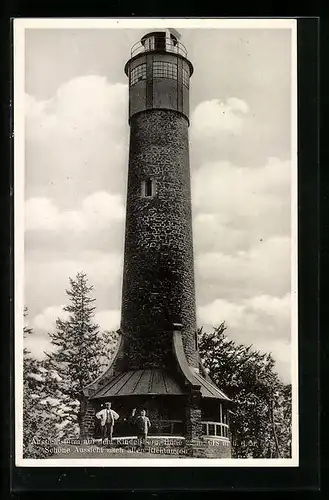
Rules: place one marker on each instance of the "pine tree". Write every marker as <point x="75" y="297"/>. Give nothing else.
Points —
<point x="38" y="421"/>
<point x="261" y="419"/>
<point x="80" y="355"/>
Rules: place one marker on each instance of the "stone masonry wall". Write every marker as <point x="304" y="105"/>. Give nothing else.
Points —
<point x="158" y="278"/>
<point x="88" y="419"/>
<point x="208" y="448"/>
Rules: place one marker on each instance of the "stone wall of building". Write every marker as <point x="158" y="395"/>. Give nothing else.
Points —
<point x="158" y="278"/>
<point x="208" y="448"/>
<point x="87" y="428"/>
<point x="193" y="415"/>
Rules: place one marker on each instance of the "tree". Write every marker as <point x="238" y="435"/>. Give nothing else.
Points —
<point x="261" y="419"/>
<point x="38" y="421"/>
<point x="81" y="352"/>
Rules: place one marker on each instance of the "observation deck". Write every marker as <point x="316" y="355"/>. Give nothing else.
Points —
<point x="161" y="42"/>
<point x="158" y="41"/>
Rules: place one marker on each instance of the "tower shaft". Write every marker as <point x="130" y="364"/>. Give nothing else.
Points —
<point x="158" y="279"/>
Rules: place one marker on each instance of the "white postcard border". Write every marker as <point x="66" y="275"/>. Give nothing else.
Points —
<point x="19" y="160"/>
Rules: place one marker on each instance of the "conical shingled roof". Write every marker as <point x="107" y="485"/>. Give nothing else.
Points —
<point x="153" y="382"/>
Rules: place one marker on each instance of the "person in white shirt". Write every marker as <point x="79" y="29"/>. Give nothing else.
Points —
<point x="107" y="417"/>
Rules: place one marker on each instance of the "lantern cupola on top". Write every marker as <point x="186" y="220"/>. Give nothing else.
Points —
<point x="159" y="74"/>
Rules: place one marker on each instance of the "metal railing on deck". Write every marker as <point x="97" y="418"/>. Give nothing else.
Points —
<point x="167" y="44"/>
<point x="215" y="429"/>
<point x="166" y="427"/>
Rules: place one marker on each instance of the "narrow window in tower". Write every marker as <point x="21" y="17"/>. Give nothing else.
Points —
<point x="148" y="188"/>
<point x="137" y="74"/>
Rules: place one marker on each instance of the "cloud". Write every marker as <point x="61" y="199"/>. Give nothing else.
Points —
<point x="272" y="306"/>
<point x="263" y="321"/>
<point x="241" y="230"/>
<point x="263" y="269"/>
<point x="245" y="197"/>
<point x="108" y="320"/>
<point x="38" y="345"/>
<point x="77" y="140"/>
<point x="47" y="319"/>
<point x="81" y="106"/>
<point x="43" y="323"/>
<point x="97" y="212"/>
<point x="99" y="266"/>
<point x="47" y="278"/>
<point x="215" y="117"/>
<point x="258" y="314"/>
<point x="212" y="235"/>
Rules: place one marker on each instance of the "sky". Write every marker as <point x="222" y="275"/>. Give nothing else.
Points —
<point x="76" y="142"/>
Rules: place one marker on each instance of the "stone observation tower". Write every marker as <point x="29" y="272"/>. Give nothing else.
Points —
<point x="156" y="365"/>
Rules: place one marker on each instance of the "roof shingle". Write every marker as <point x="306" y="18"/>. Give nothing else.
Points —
<point x="153" y="382"/>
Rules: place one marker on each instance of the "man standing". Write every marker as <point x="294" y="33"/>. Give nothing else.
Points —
<point x="107" y="417"/>
<point x="143" y="424"/>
